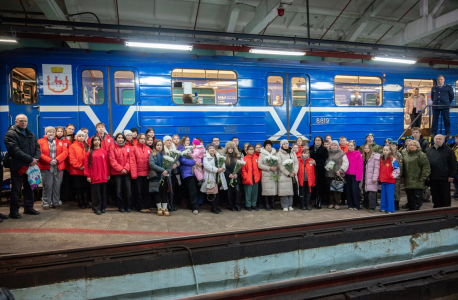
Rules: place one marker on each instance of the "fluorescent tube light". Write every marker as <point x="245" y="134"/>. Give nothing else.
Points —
<point x="7" y="39"/>
<point x="277" y="52"/>
<point x="395" y="60"/>
<point x="159" y="46"/>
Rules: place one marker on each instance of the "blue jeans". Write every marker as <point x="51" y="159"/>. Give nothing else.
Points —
<point x="445" y="115"/>
<point x="387" y="199"/>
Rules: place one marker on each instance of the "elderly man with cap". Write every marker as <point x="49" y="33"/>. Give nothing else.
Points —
<point x="52" y="165"/>
<point x="211" y="175"/>
<point x="370" y="141"/>
<point x="442" y="96"/>
<point x="24" y="151"/>
<point x="443" y="169"/>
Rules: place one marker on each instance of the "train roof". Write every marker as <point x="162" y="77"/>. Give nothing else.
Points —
<point x="85" y="54"/>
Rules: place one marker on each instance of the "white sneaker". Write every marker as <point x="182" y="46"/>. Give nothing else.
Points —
<point x="196" y="212"/>
<point x="285" y="209"/>
<point x="290" y="208"/>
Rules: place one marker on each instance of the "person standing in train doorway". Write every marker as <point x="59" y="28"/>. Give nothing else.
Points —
<point x="442" y="95"/>
<point x="356" y="101"/>
<point x="415" y="104"/>
<point x="24" y="150"/>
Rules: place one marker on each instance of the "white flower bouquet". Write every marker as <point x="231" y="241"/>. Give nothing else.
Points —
<point x="220" y="163"/>
<point x="187" y="153"/>
<point x="272" y="161"/>
<point x="289" y="166"/>
<point x="167" y="163"/>
<point x="238" y="166"/>
<point x="174" y="154"/>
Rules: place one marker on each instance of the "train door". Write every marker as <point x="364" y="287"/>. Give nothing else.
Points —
<point x="423" y="88"/>
<point x="23" y="95"/>
<point x="287" y="93"/>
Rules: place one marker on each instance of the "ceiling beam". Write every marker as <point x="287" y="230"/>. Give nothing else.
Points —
<point x="391" y="23"/>
<point x="439" y="8"/>
<point x="450" y="42"/>
<point x="52" y="11"/>
<point x="423" y="27"/>
<point x="232" y="16"/>
<point x="265" y="13"/>
<point x="72" y="8"/>
<point x="370" y="12"/>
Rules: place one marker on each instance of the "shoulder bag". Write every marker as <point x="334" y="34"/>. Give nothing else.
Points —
<point x="212" y="189"/>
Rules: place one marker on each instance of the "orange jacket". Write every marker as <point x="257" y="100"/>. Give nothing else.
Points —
<point x="344" y="148"/>
<point x="77" y="154"/>
<point x="139" y="160"/>
<point x="250" y="169"/>
<point x="67" y="145"/>
<point x="44" y="163"/>
<point x="119" y="157"/>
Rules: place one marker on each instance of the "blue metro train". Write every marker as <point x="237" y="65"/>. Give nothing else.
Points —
<point x="204" y="96"/>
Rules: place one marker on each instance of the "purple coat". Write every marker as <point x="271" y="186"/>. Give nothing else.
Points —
<point x="186" y="164"/>
<point x="372" y="172"/>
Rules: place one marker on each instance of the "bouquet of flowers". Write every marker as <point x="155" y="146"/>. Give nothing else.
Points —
<point x="174" y="154"/>
<point x="332" y="167"/>
<point x="289" y="166"/>
<point x="167" y="163"/>
<point x="186" y="153"/>
<point x="272" y="161"/>
<point x="190" y="148"/>
<point x="238" y="166"/>
<point x="220" y="163"/>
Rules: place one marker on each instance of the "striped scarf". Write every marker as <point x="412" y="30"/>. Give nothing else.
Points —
<point x="52" y="154"/>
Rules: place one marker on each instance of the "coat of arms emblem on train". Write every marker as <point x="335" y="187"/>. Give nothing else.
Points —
<point x="57" y="79"/>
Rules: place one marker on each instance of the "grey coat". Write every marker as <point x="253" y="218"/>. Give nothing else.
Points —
<point x="285" y="184"/>
<point x="154" y="184"/>
<point x="269" y="186"/>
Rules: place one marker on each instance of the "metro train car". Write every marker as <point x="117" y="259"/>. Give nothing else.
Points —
<point x="207" y="96"/>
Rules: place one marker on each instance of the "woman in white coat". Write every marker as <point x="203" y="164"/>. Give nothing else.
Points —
<point x="285" y="185"/>
<point x="211" y="174"/>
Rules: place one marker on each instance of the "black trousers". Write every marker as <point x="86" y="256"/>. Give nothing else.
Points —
<point x="305" y="192"/>
<point x="160" y="198"/>
<point x="99" y="196"/>
<point x="135" y="196"/>
<point x="17" y="182"/>
<point x="66" y="189"/>
<point x="215" y="202"/>
<point x="353" y="192"/>
<point x="123" y="192"/>
<point x="176" y="197"/>
<point x="233" y="195"/>
<point x="413" y="115"/>
<point x="414" y="200"/>
<point x="191" y="184"/>
<point x="143" y="195"/>
<point x="440" y="192"/>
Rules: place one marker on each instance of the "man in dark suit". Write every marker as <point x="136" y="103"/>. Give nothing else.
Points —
<point x="441" y="94"/>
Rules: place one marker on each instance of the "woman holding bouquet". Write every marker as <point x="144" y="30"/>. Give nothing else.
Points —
<point x="161" y="187"/>
<point x="251" y="177"/>
<point x="289" y="166"/>
<point x="319" y="153"/>
<point x="234" y="195"/>
<point x="169" y="146"/>
<point x="267" y="163"/>
<point x="339" y="160"/>
<point x="211" y="175"/>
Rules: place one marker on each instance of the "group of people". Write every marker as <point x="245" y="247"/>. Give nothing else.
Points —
<point x="149" y="172"/>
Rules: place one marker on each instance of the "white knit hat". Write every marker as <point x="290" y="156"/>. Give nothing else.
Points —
<point x="284" y="141"/>
<point x="80" y="133"/>
<point x="127" y="131"/>
<point x="335" y="142"/>
<point x="166" y="138"/>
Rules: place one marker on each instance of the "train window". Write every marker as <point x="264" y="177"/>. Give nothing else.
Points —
<point x="424" y="89"/>
<point x="93" y="89"/>
<point x="124" y="87"/>
<point x="299" y="91"/>
<point x="358" y="91"/>
<point x="194" y="86"/>
<point x="275" y="90"/>
<point x="24" y="86"/>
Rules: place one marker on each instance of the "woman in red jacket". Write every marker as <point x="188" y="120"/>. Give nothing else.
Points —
<point x="251" y="175"/>
<point x="51" y="164"/>
<point x="77" y="154"/>
<point x="97" y="171"/>
<point x="139" y="168"/>
<point x="119" y="155"/>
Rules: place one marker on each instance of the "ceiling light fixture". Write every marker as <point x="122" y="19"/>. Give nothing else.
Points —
<point x="395" y="60"/>
<point x="277" y="52"/>
<point x="159" y="46"/>
<point x="7" y="39"/>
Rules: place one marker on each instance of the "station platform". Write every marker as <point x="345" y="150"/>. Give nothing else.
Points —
<point x="71" y="227"/>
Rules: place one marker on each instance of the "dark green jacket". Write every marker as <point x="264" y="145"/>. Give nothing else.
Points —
<point x="416" y="167"/>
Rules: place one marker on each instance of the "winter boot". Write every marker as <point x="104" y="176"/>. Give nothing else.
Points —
<point x="86" y="201"/>
<point x="318" y="203"/>
<point x="302" y="203"/>
<point x="307" y="203"/>
<point x="396" y="205"/>
<point x="266" y="200"/>
<point x="272" y="202"/>
<point x="79" y="198"/>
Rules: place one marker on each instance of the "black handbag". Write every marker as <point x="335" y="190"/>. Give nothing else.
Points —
<point x="337" y="185"/>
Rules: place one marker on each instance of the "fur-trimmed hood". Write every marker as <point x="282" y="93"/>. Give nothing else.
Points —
<point x="265" y="152"/>
<point x="229" y="145"/>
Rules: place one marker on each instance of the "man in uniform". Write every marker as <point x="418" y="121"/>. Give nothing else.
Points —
<point x="441" y="94"/>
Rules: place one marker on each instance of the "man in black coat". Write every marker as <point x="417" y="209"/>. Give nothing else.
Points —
<point x="443" y="169"/>
<point x="24" y="150"/>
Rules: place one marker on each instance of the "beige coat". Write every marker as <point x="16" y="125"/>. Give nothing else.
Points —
<point x="285" y="184"/>
<point x="421" y="104"/>
<point x="269" y="186"/>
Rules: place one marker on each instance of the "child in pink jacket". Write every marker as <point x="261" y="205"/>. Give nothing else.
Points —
<point x="353" y="176"/>
<point x="198" y="154"/>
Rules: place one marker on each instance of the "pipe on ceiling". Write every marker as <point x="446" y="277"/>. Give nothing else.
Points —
<point x="293" y="40"/>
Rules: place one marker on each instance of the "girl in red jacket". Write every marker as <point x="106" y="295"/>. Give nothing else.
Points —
<point x="387" y="180"/>
<point x="77" y="154"/>
<point x="139" y="168"/>
<point x="119" y="155"/>
<point x="251" y="175"/>
<point x="306" y="178"/>
<point x="97" y="171"/>
<point x="51" y="164"/>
